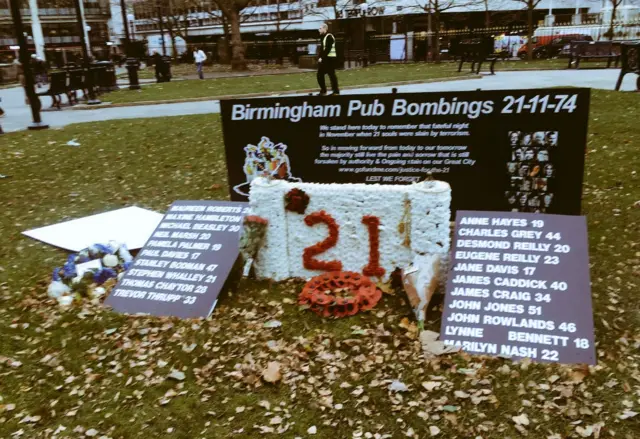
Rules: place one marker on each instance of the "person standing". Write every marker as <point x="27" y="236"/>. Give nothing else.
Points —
<point x="199" y="57"/>
<point x="327" y="61"/>
<point x="157" y="65"/>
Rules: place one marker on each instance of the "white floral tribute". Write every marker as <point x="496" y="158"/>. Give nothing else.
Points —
<point x="370" y="229"/>
<point x="85" y="274"/>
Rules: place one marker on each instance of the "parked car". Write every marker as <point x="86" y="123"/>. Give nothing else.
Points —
<point x="548" y="46"/>
<point x="556" y="47"/>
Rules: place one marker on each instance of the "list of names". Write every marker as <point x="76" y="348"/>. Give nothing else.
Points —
<point x="519" y="287"/>
<point x="184" y="264"/>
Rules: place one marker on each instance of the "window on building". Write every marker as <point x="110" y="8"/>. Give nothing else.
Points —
<point x="326" y="3"/>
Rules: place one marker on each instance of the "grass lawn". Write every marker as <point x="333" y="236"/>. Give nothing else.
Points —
<point x="273" y="83"/>
<point x="180" y="70"/>
<point x="377" y="74"/>
<point x="88" y="368"/>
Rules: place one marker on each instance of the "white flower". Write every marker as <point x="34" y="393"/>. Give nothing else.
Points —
<point x="124" y="254"/>
<point x="98" y="292"/>
<point x="114" y="246"/>
<point x="93" y="250"/>
<point x="65" y="300"/>
<point x="57" y="289"/>
<point x="110" y="261"/>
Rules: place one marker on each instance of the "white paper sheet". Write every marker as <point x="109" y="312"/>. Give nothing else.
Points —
<point x="397" y="48"/>
<point x="131" y="225"/>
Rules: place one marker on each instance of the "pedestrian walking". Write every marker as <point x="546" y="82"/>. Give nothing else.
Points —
<point x="327" y="61"/>
<point x="199" y="57"/>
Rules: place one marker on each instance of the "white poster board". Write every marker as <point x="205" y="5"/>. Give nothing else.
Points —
<point x="398" y="48"/>
<point x="131" y="225"/>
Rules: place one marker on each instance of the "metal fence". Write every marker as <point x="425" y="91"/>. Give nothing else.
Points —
<point x="509" y="41"/>
<point x="622" y="31"/>
<point x="265" y="52"/>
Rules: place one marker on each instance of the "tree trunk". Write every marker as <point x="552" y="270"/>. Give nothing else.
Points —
<point x="487" y="18"/>
<point x="429" y="55"/>
<point x="227" y="47"/>
<point x="237" y="47"/>
<point x="530" y="32"/>
<point x="436" y="25"/>
<point x="174" y="48"/>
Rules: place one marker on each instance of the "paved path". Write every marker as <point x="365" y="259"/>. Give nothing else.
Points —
<point x="18" y="115"/>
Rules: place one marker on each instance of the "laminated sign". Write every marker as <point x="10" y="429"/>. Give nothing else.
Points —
<point x="183" y="266"/>
<point x="519" y="287"/>
<point x="499" y="150"/>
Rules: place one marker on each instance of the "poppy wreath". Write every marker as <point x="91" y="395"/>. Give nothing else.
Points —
<point x="339" y="294"/>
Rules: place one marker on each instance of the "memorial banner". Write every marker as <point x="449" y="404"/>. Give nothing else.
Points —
<point x="183" y="266"/>
<point x="519" y="287"/>
<point x="504" y="150"/>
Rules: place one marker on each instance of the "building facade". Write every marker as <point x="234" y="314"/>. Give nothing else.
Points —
<point x="203" y="23"/>
<point x="52" y="28"/>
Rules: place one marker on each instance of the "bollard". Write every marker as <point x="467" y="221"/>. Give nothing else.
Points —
<point x="132" y="68"/>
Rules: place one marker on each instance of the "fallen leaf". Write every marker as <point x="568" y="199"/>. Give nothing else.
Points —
<point x="272" y="373"/>
<point x="432" y="347"/>
<point x="385" y="288"/>
<point x="430" y="385"/>
<point x="521" y="419"/>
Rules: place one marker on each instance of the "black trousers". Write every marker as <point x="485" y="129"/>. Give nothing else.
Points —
<point x="327" y="67"/>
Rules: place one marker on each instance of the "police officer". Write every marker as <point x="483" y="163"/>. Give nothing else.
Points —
<point x="327" y="61"/>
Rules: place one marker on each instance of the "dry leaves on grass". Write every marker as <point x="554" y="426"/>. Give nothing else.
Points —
<point x="100" y="370"/>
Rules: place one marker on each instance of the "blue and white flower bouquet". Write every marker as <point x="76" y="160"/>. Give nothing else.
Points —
<point x="86" y="273"/>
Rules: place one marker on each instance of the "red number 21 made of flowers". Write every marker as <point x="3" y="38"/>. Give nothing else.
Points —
<point x="372" y="223"/>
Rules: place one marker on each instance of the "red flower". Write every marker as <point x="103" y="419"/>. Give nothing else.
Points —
<point x="339" y="294"/>
<point x="373" y="268"/>
<point x="309" y="261"/>
<point x="296" y="200"/>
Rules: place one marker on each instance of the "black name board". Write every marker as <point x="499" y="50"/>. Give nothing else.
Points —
<point x="519" y="287"/>
<point x="183" y="266"/>
<point x="506" y="150"/>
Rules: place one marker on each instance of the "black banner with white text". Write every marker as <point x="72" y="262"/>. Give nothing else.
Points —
<point x="506" y="150"/>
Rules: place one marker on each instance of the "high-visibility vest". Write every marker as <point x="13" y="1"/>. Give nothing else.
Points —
<point x="332" y="52"/>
